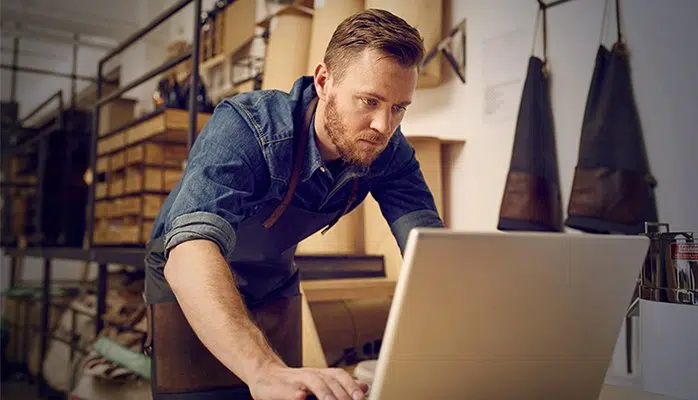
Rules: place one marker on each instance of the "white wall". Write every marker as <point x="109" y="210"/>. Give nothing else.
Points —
<point x="664" y="62"/>
<point x="664" y="67"/>
<point x="33" y="89"/>
<point x="665" y="83"/>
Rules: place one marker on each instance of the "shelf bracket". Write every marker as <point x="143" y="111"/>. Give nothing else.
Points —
<point x="453" y="49"/>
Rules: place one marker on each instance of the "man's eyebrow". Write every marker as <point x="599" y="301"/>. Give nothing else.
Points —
<point x="381" y="98"/>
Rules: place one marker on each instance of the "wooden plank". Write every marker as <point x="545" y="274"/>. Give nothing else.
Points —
<point x="178" y="120"/>
<point x="101" y="190"/>
<point x="152" y="204"/>
<point x="122" y="231"/>
<point x="157" y="154"/>
<point x="117" y="161"/>
<point x="102" y="209"/>
<point x="116" y="185"/>
<point x="171" y="125"/>
<point x="147" y="129"/>
<point x="151" y="179"/>
<point x="313" y="353"/>
<point x="102" y="164"/>
<point x="147" y="229"/>
<point x="347" y="289"/>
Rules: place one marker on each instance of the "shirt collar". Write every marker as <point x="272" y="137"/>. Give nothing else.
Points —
<point x="313" y="159"/>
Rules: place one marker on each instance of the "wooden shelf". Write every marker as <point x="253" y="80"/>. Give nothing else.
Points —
<point x="347" y="289"/>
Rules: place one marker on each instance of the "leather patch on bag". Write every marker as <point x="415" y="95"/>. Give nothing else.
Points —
<point x="183" y="364"/>
<point x="610" y="194"/>
<point x="530" y="198"/>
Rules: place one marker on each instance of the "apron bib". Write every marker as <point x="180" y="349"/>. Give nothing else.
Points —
<point x="531" y="199"/>
<point x="613" y="187"/>
<point x="182" y="367"/>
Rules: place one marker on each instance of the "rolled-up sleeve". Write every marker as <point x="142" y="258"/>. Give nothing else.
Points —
<point x="224" y="172"/>
<point x="404" y="196"/>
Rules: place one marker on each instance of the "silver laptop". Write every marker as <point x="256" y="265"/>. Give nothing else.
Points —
<point x="506" y="315"/>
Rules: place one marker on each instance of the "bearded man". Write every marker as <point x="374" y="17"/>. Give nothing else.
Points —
<point x="268" y="170"/>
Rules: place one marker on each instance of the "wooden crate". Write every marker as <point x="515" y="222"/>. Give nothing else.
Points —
<point x="164" y="126"/>
<point x="138" y="165"/>
<point x="127" y="231"/>
<point x="150" y="179"/>
<point x="127" y="220"/>
<point x="169" y="155"/>
<point x="138" y="205"/>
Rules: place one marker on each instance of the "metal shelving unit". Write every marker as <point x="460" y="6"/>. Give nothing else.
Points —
<point x="103" y="257"/>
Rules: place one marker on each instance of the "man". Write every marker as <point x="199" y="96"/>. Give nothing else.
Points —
<point x="268" y="170"/>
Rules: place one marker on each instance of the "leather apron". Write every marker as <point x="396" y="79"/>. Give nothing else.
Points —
<point x="531" y="200"/>
<point x="181" y="366"/>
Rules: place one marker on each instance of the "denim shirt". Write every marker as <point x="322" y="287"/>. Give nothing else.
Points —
<point x="243" y="159"/>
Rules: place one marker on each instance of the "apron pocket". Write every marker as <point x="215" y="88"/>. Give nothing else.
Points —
<point x="183" y="364"/>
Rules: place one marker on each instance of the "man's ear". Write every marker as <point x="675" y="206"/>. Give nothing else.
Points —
<point x="321" y="80"/>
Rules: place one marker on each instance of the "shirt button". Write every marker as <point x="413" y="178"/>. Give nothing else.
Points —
<point x="323" y="169"/>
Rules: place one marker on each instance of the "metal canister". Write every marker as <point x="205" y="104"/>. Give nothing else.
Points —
<point x="670" y="272"/>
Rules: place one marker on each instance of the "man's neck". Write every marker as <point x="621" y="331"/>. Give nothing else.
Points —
<point x="322" y="140"/>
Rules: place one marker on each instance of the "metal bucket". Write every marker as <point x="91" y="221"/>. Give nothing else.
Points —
<point x="670" y="272"/>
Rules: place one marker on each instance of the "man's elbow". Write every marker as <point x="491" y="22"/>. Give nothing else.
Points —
<point x="183" y="257"/>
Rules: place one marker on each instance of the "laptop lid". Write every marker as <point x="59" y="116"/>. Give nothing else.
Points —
<point x="506" y="315"/>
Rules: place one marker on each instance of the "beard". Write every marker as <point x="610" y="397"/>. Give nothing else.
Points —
<point x="351" y="149"/>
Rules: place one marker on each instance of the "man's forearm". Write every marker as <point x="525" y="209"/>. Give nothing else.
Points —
<point x="206" y="292"/>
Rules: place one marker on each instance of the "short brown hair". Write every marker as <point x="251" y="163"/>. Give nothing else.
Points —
<point x="374" y="29"/>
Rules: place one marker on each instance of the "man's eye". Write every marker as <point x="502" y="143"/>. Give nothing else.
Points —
<point x="369" y="102"/>
<point x="398" y="109"/>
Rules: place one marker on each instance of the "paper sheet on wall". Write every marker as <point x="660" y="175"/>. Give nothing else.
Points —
<point x="504" y="65"/>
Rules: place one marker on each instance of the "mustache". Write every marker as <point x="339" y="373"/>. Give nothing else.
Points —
<point x="372" y="137"/>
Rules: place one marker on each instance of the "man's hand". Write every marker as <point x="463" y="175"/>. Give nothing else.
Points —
<point x="282" y="383"/>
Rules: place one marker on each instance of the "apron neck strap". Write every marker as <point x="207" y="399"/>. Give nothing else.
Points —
<point x="541" y="15"/>
<point x="619" y="28"/>
<point x="298" y="163"/>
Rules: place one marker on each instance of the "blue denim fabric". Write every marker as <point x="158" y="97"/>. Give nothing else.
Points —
<point x="243" y="159"/>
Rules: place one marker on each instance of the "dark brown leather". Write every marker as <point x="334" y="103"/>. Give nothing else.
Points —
<point x="295" y="175"/>
<point x="609" y="194"/>
<point x="530" y="198"/>
<point x="148" y="343"/>
<point x="184" y="364"/>
<point x="297" y="163"/>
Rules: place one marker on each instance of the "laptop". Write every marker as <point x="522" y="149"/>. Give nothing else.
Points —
<point x="506" y="315"/>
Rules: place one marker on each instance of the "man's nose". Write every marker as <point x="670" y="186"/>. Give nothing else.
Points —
<point x="381" y="122"/>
